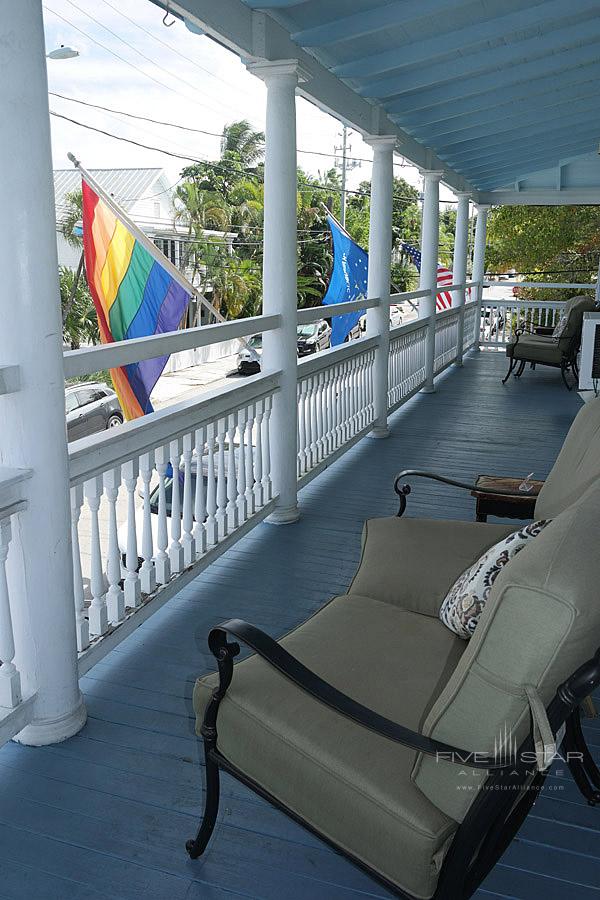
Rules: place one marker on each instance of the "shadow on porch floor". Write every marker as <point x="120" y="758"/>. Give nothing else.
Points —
<point x="106" y="814"/>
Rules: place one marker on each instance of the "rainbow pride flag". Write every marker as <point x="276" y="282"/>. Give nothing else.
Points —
<point x="134" y="296"/>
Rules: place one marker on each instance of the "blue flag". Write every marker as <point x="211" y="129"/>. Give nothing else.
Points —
<point x="348" y="280"/>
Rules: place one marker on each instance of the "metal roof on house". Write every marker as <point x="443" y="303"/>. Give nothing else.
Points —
<point x="495" y="89"/>
<point x="125" y="185"/>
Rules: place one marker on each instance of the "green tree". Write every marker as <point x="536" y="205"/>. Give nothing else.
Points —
<point x="71" y="218"/>
<point x="80" y="323"/>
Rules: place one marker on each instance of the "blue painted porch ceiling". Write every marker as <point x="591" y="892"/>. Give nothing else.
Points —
<point x="459" y="75"/>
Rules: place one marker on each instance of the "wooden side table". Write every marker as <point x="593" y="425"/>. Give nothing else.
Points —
<point x="506" y="507"/>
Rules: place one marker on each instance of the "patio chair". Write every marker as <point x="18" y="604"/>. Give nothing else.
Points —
<point x="557" y="347"/>
<point x="416" y="754"/>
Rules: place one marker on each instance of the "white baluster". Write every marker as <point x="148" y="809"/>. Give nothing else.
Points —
<point x="97" y="612"/>
<point x="221" y="479"/>
<point x="250" y="498"/>
<point x="189" y="544"/>
<point x="163" y="568"/>
<point x="319" y="412"/>
<point x="133" y="588"/>
<point x="175" y="548"/>
<point x="241" y="478"/>
<point x="302" y="463"/>
<point x="312" y="423"/>
<point x="258" y="456"/>
<point x="147" y="570"/>
<point x="115" y="598"/>
<point x="231" y="511"/>
<point x="211" y="490"/>
<point x="10" y="679"/>
<point x="199" y="530"/>
<point x="81" y="623"/>
<point x="267" y="484"/>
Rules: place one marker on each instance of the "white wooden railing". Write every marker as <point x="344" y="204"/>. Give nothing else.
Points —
<point x="139" y="535"/>
<point x="14" y="708"/>
<point x="335" y="403"/>
<point x="500" y="317"/>
<point x="137" y="529"/>
<point x="446" y="338"/>
<point x="406" y="364"/>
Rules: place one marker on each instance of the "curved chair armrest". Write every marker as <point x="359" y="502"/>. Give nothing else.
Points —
<point x="274" y="654"/>
<point x="403" y="490"/>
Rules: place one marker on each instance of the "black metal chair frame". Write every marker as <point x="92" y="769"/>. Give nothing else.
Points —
<point x="504" y="800"/>
<point x="568" y="361"/>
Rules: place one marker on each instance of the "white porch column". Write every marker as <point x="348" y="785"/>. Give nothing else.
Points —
<point x="430" y="238"/>
<point x="479" y="253"/>
<point x="380" y="260"/>
<point x="459" y="264"/>
<point x="33" y="429"/>
<point x="280" y="275"/>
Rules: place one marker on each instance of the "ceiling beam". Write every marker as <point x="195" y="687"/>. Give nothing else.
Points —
<point x="476" y="32"/>
<point x="517" y="165"/>
<point x="492" y="115"/>
<point x="441" y="137"/>
<point x="542" y="131"/>
<point x="555" y="37"/>
<point x="255" y="34"/>
<point x="495" y="82"/>
<point x="490" y="101"/>
<point x="541" y="197"/>
<point x="370" y="21"/>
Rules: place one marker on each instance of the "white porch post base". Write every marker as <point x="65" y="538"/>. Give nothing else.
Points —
<point x="380" y="260"/>
<point x="283" y="516"/>
<point x="40" y="564"/>
<point x="280" y="276"/>
<point x="52" y="731"/>
<point x="479" y="256"/>
<point x="459" y="268"/>
<point x="430" y="229"/>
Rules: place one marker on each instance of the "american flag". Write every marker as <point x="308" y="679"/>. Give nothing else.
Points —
<point x="444" y="276"/>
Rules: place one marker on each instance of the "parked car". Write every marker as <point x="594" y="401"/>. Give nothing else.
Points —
<point x="354" y="333"/>
<point x="91" y="407"/>
<point x="313" y="337"/>
<point x="395" y="316"/>
<point x="248" y="361"/>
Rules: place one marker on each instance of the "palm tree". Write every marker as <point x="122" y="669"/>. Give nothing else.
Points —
<point x="241" y="142"/>
<point x="72" y="218"/>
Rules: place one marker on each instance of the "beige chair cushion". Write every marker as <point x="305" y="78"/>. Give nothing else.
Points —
<point x="542" y="621"/>
<point x="351" y="784"/>
<point x="397" y="554"/>
<point x="536" y="348"/>
<point x="577" y="465"/>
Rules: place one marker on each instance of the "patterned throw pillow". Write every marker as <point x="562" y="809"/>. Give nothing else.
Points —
<point x="467" y="597"/>
<point x="560" y="327"/>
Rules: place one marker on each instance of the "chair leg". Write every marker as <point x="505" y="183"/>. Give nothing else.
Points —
<point x="563" y="371"/>
<point x="197" y="846"/>
<point x="521" y="369"/>
<point x="588" y="775"/>
<point x="511" y="366"/>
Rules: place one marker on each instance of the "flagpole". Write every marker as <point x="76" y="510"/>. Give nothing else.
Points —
<point x="139" y="235"/>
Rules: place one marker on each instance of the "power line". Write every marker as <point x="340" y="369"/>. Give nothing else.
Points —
<point x="132" y="47"/>
<point x="173" y="49"/>
<point x="122" y="112"/>
<point x="123" y="60"/>
<point x="329" y="189"/>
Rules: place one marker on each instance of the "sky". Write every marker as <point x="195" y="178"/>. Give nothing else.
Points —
<point x="131" y="62"/>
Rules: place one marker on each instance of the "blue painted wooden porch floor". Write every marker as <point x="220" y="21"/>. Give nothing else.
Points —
<point x="106" y="814"/>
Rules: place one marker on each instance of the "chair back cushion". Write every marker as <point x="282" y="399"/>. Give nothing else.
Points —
<point x="568" y="330"/>
<point x="542" y="621"/>
<point x="577" y="465"/>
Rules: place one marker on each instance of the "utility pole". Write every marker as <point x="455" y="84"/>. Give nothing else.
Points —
<point x="346" y="166"/>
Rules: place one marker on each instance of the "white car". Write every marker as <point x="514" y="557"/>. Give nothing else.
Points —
<point x="248" y="360"/>
<point x="395" y="318"/>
